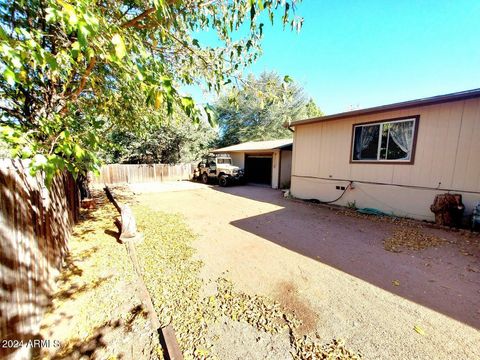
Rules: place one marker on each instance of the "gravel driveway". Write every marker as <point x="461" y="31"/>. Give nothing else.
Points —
<point x="332" y="270"/>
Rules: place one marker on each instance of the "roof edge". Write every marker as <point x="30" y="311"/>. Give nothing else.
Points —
<point x="457" y="96"/>
<point x="288" y="142"/>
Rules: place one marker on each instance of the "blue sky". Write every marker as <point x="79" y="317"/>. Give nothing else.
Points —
<point x="367" y="53"/>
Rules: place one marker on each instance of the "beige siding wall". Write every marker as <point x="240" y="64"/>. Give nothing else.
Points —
<point x="275" y="168"/>
<point x="238" y="159"/>
<point x="447" y="157"/>
<point x="285" y="167"/>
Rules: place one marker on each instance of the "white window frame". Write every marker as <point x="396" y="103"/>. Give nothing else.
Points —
<point x="415" y="120"/>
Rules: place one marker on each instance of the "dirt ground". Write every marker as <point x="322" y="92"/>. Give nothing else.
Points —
<point x="96" y="312"/>
<point x="333" y="271"/>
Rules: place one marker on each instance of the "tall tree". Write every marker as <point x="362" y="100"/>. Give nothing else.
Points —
<point x="168" y="142"/>
<point x="68" y="66"/>
<point x="260" y="108"/>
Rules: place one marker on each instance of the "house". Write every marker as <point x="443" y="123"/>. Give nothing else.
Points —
<point x="394" y="158"/>
<point x="265" y="162"/>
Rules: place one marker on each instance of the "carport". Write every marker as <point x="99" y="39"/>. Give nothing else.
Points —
<point x="265" y="162"/>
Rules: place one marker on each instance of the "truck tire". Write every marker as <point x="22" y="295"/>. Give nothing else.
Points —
<point x="222" y="181"/>
<point x="204" y="178"/>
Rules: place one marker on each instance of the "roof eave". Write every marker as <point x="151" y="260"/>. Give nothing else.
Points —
<point x="464" y="95"/>
<point x="227" y="150"/>
<point x="245" y="150"/>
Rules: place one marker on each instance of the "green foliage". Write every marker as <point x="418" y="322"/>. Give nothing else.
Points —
<point x="178" y="140"/>
<point x="4" y="149"/>
<point x="69" y="67"/>
<point x="260" y="108"/>
<point x="312" y="110"/>
<point x="352" y="205"/>
<point x="72" y="145"/>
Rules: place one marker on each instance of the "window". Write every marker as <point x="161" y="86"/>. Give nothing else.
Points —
<point x="385" y="141"/>
<point x="224" y="161"/>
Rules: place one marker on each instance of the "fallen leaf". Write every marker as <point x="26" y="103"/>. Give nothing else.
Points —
<point x="419" y="330"/>
<point x="411" y="238"/>
<point x="473" y="268"/>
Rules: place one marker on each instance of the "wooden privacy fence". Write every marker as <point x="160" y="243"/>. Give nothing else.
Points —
<point x="137" y="173"/>
<point x="35" y="225"/>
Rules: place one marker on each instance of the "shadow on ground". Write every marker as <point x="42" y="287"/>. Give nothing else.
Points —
<point x="110" y="336"/>
<point x="439" y="278"/>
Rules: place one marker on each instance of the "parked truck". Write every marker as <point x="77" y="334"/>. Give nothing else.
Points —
<point x="218" y="167"/>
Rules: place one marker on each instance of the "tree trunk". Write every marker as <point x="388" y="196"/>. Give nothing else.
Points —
<point x="82" y="183"/>
<point x="448" y="209"/>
